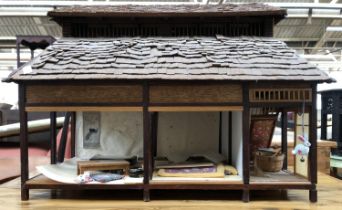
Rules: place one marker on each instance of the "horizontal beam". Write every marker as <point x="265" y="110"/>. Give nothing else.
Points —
<point x="194" y="108"/>
<point x="81" y="109"/>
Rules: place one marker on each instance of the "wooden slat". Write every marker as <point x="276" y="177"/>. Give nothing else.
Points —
<point x="219" y="93"/>
<point x="194" y="108"/>
<point x="83" y="94"/>
<point x="294" y="95"/>
<point x="82" y="109"/>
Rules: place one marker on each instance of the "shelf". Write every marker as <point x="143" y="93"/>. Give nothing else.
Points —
<point x="42" y="182"/>
<point x="282" y="179"/>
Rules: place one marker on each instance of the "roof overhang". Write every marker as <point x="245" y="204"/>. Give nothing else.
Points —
<point x="170" y="58"/>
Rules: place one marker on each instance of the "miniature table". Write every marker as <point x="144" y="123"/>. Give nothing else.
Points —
<point x="83" y="166"/>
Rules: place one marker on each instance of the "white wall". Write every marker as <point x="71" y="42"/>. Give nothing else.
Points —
<point x="121" y="135"/>
<point x="237" y="158"/>
<point x="179" y="134"/>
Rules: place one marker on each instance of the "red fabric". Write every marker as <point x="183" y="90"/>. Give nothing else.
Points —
<point x="68" y="143"/>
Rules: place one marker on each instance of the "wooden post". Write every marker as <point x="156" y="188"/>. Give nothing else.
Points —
<point x="154" y="128"/>
<point x="147" y="142"/>
<point x="323" y="124"/>
<point x="220" y="133"/>
<point x="284" y="137"/>
<point x="53" y="142"/>
<point x="73" y="134"/>
<point x="64" y="138"/>
<point x="230" y="137"/>
<point x="313" y="147"/>
<point x="245" y="136"/>
<point x="23" y="143"/>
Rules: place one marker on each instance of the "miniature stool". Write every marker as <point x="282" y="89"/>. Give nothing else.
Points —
<point x="95" y="165"/>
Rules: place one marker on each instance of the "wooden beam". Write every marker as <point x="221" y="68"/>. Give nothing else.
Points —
<point x="83" y="109"/>
<point x="194" y="108"/>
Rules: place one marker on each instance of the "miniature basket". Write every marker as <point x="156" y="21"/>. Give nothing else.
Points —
<point x="269" y="163"/>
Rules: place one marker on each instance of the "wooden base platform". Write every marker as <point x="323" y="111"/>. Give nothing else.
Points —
<point x="329" y="193"/>
<point x="270" y="181"/>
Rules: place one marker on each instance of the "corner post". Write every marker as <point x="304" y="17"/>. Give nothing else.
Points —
<point x="23" y="143"/>
<point x="147" y="142"/>
<point x="245" y="136"/>
<point x="313" y="147"/>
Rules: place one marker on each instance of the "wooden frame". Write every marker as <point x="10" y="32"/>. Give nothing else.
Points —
<point x="149" y="138"/>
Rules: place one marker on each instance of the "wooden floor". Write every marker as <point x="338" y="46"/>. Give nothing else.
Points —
<point x="329" y="197"/>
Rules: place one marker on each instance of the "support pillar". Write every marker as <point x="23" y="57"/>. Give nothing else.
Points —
<point x="284" y="137"/>
<point x="313" y="147"/>
<point x="53" y="147"/>
<point x="147" y="142"/>
<point x="23" y="143"/>
<point x="245" y="195"/>
<point x="73" y="134"/>
<point x="246" y="136"/>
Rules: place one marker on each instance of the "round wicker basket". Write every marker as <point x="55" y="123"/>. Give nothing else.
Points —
<point x="269" y="163"/>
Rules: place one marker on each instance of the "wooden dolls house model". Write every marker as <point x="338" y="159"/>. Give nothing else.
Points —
<point x="193" y="75"/>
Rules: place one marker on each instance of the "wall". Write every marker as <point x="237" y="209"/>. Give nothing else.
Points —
<point x="179" y="134"/>
<point x="237" y="160"/>
<point x="121" y="135"/>
<point x="183" y="134"/>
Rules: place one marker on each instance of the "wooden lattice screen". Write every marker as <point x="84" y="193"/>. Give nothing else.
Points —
<point x="280" y="95"/>
<point x="175" y="29"/>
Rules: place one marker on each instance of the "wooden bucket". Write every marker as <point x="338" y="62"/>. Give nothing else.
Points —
<point x="269" y="163"/>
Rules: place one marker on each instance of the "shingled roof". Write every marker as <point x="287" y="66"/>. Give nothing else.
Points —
<point x="253" y="9"/>
<point x="178" y="58"/>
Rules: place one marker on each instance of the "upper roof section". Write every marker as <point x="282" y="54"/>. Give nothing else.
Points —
<point x="170" y="58"/>
<point x="222" y="10"/>
<point x="168" y="20"/>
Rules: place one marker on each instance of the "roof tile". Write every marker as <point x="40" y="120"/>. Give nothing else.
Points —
<point x="182" y="58"/>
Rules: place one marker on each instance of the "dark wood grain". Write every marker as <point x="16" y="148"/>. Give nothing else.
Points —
<point x="284" y="137"/>
<point x="83" y="94"/>
<point x="246" y="133"/>
<point x="53" y="135"/>
<point x="23" y="143"/>
<point x="196" y="93"/>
